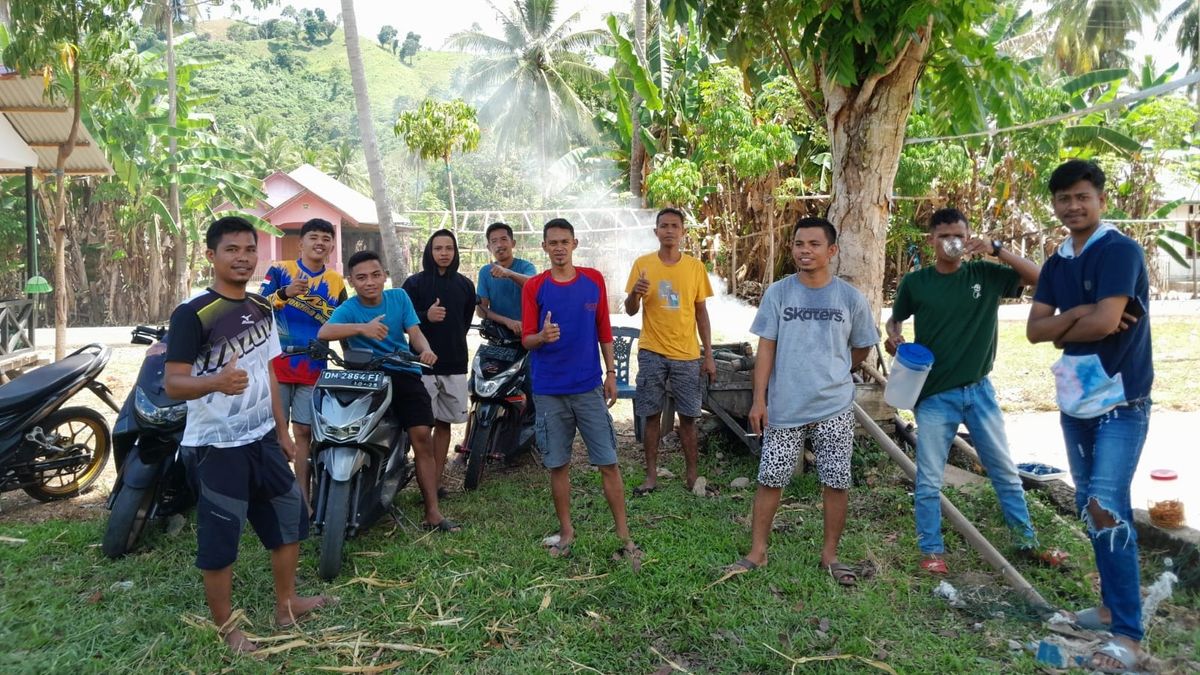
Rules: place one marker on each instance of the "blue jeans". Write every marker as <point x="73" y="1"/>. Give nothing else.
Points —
<point x="1103" y="453"/>
<point x="938" y="417"/>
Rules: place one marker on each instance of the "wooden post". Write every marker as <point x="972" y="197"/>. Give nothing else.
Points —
<point x="957" y="519"/>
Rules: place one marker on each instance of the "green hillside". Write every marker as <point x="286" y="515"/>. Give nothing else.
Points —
<point x="306" y="89"/>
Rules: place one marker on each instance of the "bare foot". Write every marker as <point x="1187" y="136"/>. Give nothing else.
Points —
<point x="289" y="615"/>
<point x="239" y="643"/>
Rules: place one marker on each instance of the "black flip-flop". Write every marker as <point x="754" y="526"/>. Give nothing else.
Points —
<point x="446" y="525"/>
<point x="842" y="573"/>
<point x="642" y="490"/>
<point x="558" y="550"/>
<point x="742" y="566"/>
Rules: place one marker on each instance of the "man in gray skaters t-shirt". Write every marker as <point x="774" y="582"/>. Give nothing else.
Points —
<point x="812" y="328"/>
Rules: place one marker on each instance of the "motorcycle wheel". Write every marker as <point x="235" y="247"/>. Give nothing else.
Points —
<point x="333" y="534"/>
<point x="127" y="521"/>
<point x="78" y="430"/>
<point x="479" y="448"/>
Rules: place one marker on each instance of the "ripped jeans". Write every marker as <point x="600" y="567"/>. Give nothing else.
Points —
<point x="1103" y="453"/>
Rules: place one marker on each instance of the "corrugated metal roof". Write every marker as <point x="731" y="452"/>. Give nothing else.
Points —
<point x="44" y="124"/>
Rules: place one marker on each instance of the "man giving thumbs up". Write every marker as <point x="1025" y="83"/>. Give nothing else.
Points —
<point x="564" y="317"/>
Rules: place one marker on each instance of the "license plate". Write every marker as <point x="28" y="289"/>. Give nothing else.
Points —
<point x="364" y="380"/>
<point x="499" y="353"/>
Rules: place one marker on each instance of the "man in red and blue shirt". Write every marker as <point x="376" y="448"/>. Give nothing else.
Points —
<point x="564" y="315"/>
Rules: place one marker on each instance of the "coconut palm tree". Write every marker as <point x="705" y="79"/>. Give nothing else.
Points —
<point x="529" y="75"/>
<point x="393" y="248"/>
<point x="1187" y="37"/>
<point x="1093" y="34"/>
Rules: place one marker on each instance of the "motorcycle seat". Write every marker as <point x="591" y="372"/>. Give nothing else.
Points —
<point x="33" y="387"/>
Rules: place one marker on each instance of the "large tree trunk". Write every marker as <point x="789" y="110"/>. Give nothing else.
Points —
<point x="637" y="151"/>
<point x="155" y="267"/>
<point x="180" y="282"/>
<point x="394" y="252"/>
<point x="866" y="134"/>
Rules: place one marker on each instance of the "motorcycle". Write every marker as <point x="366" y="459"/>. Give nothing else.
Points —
<point x="152" y="466"/>
<point x="500" y="423"/>
<point x="360" y="454"/>
<point x="48" y="451"/>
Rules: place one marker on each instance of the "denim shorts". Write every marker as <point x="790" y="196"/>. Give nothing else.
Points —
<point x="559" y="416"/>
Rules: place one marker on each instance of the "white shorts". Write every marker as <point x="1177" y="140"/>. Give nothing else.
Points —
<point x="447" y="396"/>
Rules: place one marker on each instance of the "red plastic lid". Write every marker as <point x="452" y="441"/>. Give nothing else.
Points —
<point x="1163" y="474"/>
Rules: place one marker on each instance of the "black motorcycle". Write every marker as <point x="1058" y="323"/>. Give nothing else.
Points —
<point x="500" y="421"/>
<point x="152" y="467"/>
<point x="46" y="450"/>
<point x="360" y="454"/>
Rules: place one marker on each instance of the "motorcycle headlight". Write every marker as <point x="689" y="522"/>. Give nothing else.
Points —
<point x="152" y="414"/>
<point x="487" y="387"/>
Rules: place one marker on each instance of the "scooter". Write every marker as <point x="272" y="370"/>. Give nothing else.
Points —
<point x="361" y="455"/>
<point x="500" y="421"/>
<point x="48" y="451"/>
<point x="153" y="468"/>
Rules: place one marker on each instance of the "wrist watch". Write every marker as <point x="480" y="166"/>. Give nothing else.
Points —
<point x="996" y="246"/>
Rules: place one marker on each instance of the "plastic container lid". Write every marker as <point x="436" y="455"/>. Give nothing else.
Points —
<point x="914" y="355"/>
<point x="1163" y="474"/>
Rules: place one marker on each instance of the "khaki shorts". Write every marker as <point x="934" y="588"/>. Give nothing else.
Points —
<point x="448" y="396"/>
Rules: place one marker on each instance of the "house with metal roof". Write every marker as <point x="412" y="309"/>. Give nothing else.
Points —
<point x="305" y="193"/>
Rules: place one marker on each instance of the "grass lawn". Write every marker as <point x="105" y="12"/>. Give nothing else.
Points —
<point x="491" y="600"/>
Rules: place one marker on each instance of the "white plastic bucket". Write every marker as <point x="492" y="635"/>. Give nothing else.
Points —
<point x="909" y="370"/>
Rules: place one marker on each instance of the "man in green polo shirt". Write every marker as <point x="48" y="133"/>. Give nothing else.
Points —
<point x="954" y="304"/>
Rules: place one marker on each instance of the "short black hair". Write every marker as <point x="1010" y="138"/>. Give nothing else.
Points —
<point x="1072" y="171"/>
<point x="227" y="225"/>
<point x="561" y="223"/>
<point x="487" y="234"/>
<point x="669" y="210"/>
<point x="317" y="225"/>
<point x="362" y="257"/>
<point x="947" y="216"/>
<point x="805" y="223"/>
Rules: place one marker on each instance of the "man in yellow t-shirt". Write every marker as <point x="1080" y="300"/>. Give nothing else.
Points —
<point x="671" y="286"/>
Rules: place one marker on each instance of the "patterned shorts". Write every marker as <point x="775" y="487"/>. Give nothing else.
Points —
<point x="833" y="444"/>
<point x="654" y="372"/>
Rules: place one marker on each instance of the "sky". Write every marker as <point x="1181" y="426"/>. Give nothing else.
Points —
<point x="435" y="20"/>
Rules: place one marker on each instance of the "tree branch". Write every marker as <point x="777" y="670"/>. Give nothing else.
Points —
<point x="867" y="89"/>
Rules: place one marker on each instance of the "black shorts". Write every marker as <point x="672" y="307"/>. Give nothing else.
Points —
<point x="247" y="482"/>
<point x="410" y="401"/>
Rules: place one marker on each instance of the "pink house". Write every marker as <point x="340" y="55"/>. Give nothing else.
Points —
<point x="304" y="193"/>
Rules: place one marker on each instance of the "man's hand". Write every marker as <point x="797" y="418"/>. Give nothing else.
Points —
<point x="642" y="285"/>
<point x="287" y="445"/>
<point x="976" y="246"/>
<point x="513" y="325"/>
<point x="376" y="329"/>
<point x="1127" y="321"/>
<point x="709" y="368"/>
<point x="500" y="271"/>
<point x="757" y="417"/>
<point x="893" y="342"/>
<point x="610" y="389"/>
<point x="428" y="357"/>
<point x="550" y="331"/>
<point x="232" y="380"/>
<point x="436" y="312"/>
<point x="298" y="287"/>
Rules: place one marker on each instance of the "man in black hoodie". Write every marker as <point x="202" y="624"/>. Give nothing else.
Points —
<point x="445" y="303"/>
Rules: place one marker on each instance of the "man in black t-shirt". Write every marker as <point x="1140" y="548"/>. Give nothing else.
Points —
<point x="218" y="360"/>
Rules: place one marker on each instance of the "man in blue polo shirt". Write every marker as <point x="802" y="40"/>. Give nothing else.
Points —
<point x="1098" y="284"/>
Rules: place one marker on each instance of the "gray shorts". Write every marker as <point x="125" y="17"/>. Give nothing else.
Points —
<point x="297" y="402"/>
<point x="833" y="445"/>
<point x="654" y="372"/>
<point x="560" y="416"/>
<point x="447" y="396"/>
